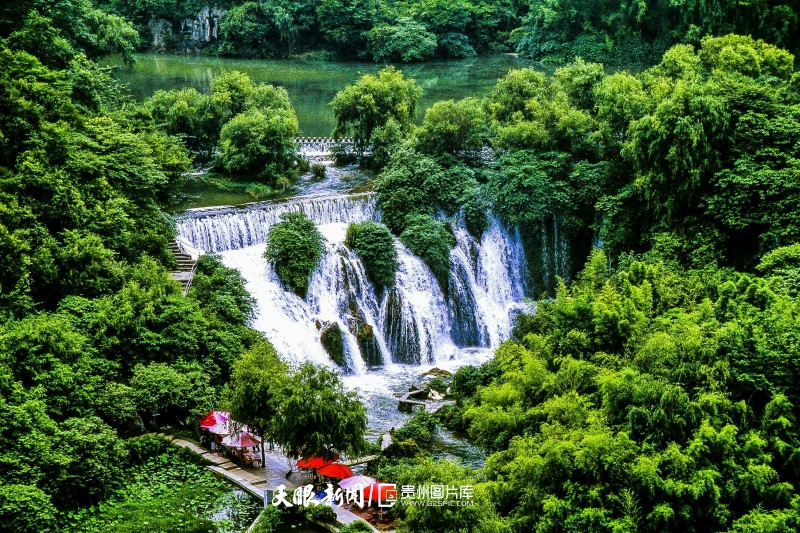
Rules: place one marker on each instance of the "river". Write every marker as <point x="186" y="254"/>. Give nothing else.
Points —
<point x="313" y="84"/>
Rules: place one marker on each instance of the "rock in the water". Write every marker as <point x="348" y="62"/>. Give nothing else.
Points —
<point x="331" y="339"/>
<point x="438" y="373"/>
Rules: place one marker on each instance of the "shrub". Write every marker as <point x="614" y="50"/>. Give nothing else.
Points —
<point x="260" y="144"/>
<point x="374" y="244"/>
<point x="359" y="526"/>
<point x="431" y="242"/>
<point x="294" y="247"/>
<point x="421" y="428"/>
<point x="321" y="513"/>
<point x="318" y="171"/>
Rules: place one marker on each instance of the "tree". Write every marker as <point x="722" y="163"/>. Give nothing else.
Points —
<point x="175" y="393"/>
<point x="259" y="144"/>
<point x="257" y="388"/>
<point x="371" y="102"/>
<point x="406" y="41"/>
<point x="374" y="244"/>
<point x="453" y="127"/>
<point x="294" y="246"/>
<point x="317" y="416"/>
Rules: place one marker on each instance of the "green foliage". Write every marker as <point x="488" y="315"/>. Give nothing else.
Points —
<point x="430" y="240"/>
<point x="317" y="415"/>
<point x="370" y="103"/>
<point x="416" y="184"/>
<point x="58" y="31"/>
<point x="358" y="526"/>
<point x="25" y="508"/>
<point x="635" y="395"/>
<point x="166" y="492"/>
<point x="260" y="145"/>
<point x="321" y="513"/>
<point x="375" y="246"/>
<point x="480" y="516"/>
<point x="294" y="246"/>
<point x="421" y="428"/>
<point x="455" y="128"/>
<point x="174" y="392"/>
<point x="256" y="387"/>
<point x="94" y="335"/>
<point x="633" y="32"/>
<point x="405" y="41"/>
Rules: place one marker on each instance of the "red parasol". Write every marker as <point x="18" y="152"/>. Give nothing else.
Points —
<point x="335" y="470"/>
<point x="213" y="418"/>
<point x="316" y="462"/>
<point x="380" y="491"/>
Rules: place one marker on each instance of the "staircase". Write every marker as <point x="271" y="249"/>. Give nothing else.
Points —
<point x="186" y="266"/>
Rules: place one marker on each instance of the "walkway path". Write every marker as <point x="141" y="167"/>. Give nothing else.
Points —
<point x="257" y="481"/>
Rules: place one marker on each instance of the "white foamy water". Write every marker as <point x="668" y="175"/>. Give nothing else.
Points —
<point x="416" y="322"/>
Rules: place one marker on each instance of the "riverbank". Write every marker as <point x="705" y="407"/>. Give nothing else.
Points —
<point x="312" y="84"/>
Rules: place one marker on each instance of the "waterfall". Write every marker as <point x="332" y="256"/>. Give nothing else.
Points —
<point x="232" y="228"/>
<point x="416" y="321"/>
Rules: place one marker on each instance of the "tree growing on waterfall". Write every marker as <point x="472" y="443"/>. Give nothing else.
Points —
<point x="317" y="416"/>
<point x="375" y="246"/>
<point x="373" y="104"/>
<point x="294" y="246"/>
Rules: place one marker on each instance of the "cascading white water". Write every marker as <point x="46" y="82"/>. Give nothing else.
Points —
<point x="231" y="228"/>
<point x="416" y="321"/>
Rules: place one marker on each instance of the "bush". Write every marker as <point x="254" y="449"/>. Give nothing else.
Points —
<point x="271" y="520"/>
<point x="321" y="513"/>
<point x="374" y="244"/>
<point x="294" y="246"/>
<point x="405" y="41"/>
<point x="318" y="171"/>
<point x="431" y="242"/>
<point x="260" y="144"/>
<point x="421" y="429"/>
<point x="359" y="526"/>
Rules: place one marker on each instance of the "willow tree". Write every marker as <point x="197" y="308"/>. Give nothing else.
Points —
<point x="257" y="386"/>
<point x="317" y="415"/>
<point x="374" y="103"/>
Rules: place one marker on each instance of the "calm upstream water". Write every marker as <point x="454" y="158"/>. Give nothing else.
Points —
<point x="313" y="84"/>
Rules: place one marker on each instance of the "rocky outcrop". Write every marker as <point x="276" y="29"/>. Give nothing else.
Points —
<point x="332" y="342"/>
<point x="186" y="34"/>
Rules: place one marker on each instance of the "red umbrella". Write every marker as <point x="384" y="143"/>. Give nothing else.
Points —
<point x="336" y="470"/>
<point x="316" y="462"/>
<point x="380" y="491"/>
<point x="214" y="417"/>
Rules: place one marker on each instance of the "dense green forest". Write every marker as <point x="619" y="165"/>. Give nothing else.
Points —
<point x="629" y="32"/>
<point x="656" y="392"/>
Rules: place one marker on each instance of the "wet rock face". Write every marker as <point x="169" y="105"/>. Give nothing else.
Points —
<point x="332" y="342"/>
<point x="463" y="309"/>
<point x="402" y="335"/>
<point x="368" y="344"/>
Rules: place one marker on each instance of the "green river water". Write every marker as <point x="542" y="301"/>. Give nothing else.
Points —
<point x="313" y="84"/>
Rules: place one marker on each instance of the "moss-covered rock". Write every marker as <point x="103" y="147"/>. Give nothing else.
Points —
<point x="332" y="342"/>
